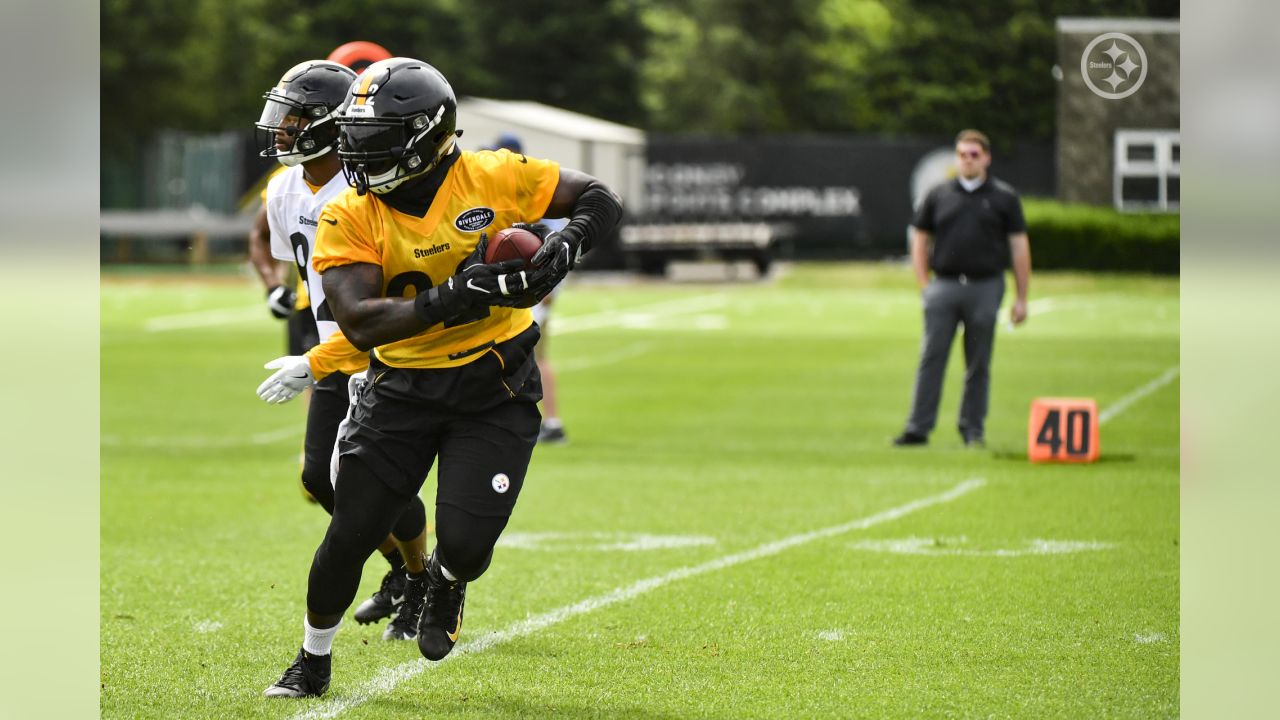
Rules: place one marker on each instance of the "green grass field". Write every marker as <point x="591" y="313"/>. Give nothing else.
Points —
<point x="727" y="533"/>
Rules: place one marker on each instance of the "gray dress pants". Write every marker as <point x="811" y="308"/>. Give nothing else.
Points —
<point x="949" y="303"/>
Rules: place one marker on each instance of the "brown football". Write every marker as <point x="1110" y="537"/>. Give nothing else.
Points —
<point x="513" y="244"/>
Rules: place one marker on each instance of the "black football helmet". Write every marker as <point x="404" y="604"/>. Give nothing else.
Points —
<point x="311" y="91"/>
<point x="400" y="119"/>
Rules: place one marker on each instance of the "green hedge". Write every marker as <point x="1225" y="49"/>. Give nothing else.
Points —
<point x="1086" y="237"/>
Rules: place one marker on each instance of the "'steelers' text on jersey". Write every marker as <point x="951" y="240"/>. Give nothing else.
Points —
<point x="484" y="192"/>
<point x="293" y="212"/>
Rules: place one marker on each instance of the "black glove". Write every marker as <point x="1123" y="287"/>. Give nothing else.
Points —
<point x="563" y="248"/>
<point x="476" y="284"/>
<point x="560" y="253"/>
<point x="280" y="301"/>
<point x="539" y="229"/>
<point x="501" y="283"/>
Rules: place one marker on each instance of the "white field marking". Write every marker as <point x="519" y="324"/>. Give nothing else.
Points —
<point x="831" y="635"/>
<point x="947" y="546"/>
<point x="267" y="437"/>
<point x="387" y="680"/>
<point x="638" y="315"/>
<point x="1123" y="403"/>
<point x="648" y="321"/>
<point x="1046" y="305"/>
<point x="619" y="355"/>
<point x="1041" y="306"/>
<point x="208" y="626"/>
<point x="600" y="541"/>
<point x="204" y="318"/>
<point x="1150" y="639"/>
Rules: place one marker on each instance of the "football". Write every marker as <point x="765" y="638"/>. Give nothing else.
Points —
<point x="513" y="244"/>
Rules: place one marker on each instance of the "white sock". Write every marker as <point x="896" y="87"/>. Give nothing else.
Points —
<point x="317" y="641"/>
<point x="551" y="422"/>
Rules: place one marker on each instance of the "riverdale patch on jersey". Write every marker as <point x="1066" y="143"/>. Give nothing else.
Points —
<point x="483" y="192"/>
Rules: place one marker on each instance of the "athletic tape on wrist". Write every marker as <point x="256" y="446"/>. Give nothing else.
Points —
<point x="428" y="306"/>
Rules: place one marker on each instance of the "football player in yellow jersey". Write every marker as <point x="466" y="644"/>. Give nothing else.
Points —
<point x="300" y="131"/>
<point x="452" y="376"/>
<point x="303" y="336"/>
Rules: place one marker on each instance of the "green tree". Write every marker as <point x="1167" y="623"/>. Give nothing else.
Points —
<point x="875" y="66"/>
<point x="579" y="56"/>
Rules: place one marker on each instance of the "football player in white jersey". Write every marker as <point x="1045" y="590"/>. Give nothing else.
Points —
<point x="299" y="130"/>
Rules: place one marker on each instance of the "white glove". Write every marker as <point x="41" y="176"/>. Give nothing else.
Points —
<point x="354" y="384"/>
<point x="292" y="377"/>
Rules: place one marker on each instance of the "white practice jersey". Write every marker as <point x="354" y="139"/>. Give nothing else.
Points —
<point x="293" y="212"/>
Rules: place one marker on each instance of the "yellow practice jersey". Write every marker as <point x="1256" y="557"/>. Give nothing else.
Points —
<point x="336" y="354"/>
<point x="483" y="192"/>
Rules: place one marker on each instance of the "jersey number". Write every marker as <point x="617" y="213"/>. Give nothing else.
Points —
<point x="300" y="256"/>
<point x="421" y="283"/>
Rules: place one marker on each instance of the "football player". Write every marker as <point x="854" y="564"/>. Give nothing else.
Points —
<point x="291" y="304"/>
<point x="299" y="129"/>
<point x="451" y="377"/>
<point x="283" y="302"/>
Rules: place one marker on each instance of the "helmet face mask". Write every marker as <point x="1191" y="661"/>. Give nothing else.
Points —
<point x="303" y="106"/>
<point x="398" y="123"/>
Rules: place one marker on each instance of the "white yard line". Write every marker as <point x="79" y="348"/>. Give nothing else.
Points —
<point x="1035" y="308"/>
<point x="640" y="314"/>
<point x="952" y="547"/>
<point x="625" y="353"/>
<point x="387" y="680"/>
<point x="1040" y="306"/>
<point x="205" y="318"/>
<point x="266" y="437"/>
<point x="1125" y="402"/>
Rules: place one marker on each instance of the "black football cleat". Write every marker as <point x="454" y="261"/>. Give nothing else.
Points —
<point x="910" y="439"/>
<point x="441" y="620"/>
<point x="382" y="603"/>
<point x="308" y="676"/>
<point x="404" y="626"/>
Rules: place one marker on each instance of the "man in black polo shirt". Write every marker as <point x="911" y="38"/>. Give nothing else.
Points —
<point x="968" y="231"/>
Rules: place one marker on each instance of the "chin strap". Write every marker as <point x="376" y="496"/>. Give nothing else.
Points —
<point x="361" y="179"/>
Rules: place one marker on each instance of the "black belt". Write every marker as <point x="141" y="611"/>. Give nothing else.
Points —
<point x="966" y="278"/>
<point x="471" y="351"/>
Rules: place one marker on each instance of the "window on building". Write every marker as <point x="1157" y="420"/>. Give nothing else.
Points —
<point x="1147" y="170"/>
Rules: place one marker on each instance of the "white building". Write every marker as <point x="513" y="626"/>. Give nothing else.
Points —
<point x="611" y="152"/>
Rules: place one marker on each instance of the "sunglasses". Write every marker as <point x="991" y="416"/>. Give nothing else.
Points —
<point x="970" y="154"/>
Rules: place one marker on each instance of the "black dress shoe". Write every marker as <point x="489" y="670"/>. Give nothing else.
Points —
<point x="908" y="438"/>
